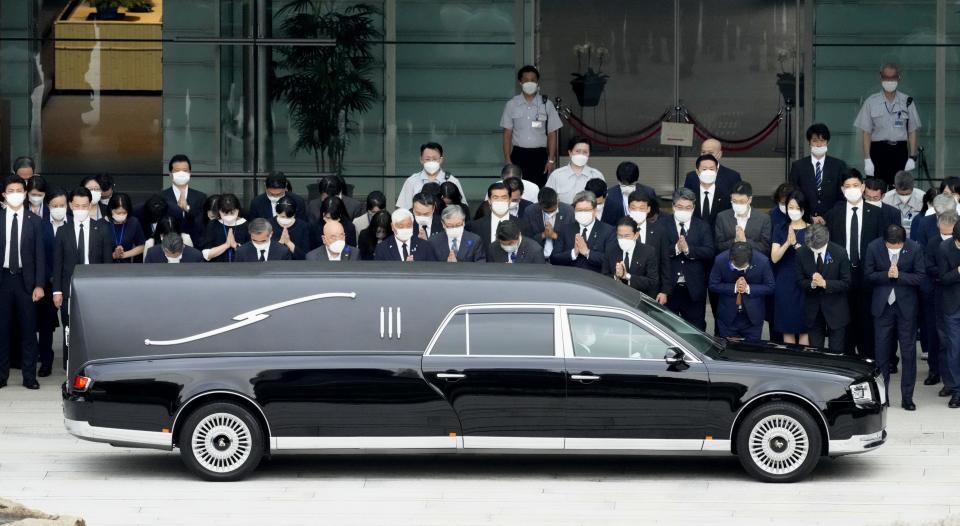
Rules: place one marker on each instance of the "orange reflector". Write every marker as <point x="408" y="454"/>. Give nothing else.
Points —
<point x="452" y="434"/>
<point x="165" y="430"/>
<point x="708" y="437"/>
<point x="81" y="383"/>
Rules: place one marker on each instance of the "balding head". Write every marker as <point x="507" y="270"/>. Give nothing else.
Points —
<point x="712" y="147"/>
<point x="332" y="231"/>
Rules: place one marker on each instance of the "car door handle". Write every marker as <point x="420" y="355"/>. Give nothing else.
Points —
<point x="451" y="377"/>
<point x="585" y="377"/>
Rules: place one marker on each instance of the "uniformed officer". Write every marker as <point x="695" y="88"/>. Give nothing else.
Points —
<point x="530" y="123"/>
<point x="889" y="121"/>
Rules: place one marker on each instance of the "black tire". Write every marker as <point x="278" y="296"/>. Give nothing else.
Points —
<point x="779" y="442"/>
<point x="221" y="442"/>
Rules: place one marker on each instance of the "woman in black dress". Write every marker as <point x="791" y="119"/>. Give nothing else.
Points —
<point x="289" y="231"/>
<point x="126" y="232"/>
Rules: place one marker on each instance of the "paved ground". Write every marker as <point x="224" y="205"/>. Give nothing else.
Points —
<point x="915" y="478"/>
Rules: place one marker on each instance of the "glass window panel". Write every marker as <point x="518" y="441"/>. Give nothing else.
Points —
<point x="453" y="339"/>
<point x="511" y="333"/>
<point x="596" y="336"/>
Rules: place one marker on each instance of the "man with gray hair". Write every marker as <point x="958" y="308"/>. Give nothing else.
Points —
<point x="823" y="271"/>
<point x="172" y="250"/>
<point x="403" y="245"/>
<point x="889" y="122"/>
<point x="690" y="247"/>
<point x="905" y="198"/>
<point x="584" y="243"/>
<point x="261" y="247"/>
<point x="937" y="343"/>
<point x="453" y="244"/>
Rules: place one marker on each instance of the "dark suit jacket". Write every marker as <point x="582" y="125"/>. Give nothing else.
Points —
<point x="804" y="178"/>
<point x="601" y="237"/>
<point x="481" y="227"/>
<point x="643" y="267"/>
<point x="529" y="252"/>
<point x="436" y="225"/>
<point x="759" y="276"/>
<point x="470" y="249"/>
<point x="948" y="261"/>
<point x="531" y="223"/>
<point x="191" y="223"/>
<point x="912" y="267"/>
<point x="922" y="228"/>
<point x="872" y="228"/>
<point x="65" y="256"/>
<point x="719" y="202"/>
<point x="320" y="254"/>
<point x="757" y="231"/>
<point x="300" y="234"/>
<point x="613" y="209"/>
<point x="891" y="216"/>
<point x="693" y="265"/>
<point x="388" y="250"/>
<point x="656" y="240"/>
<point x="832" y="300"/>
<point x="726" y="180"/>
<point x="247" y="253"/>
<point x="190" y="255"/>
<point x="260" y="206"/>
<point x="32" y="253"/>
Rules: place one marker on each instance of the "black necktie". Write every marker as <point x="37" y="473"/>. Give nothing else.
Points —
<point x="683" y="230"/>
<point x="820" y="263"/>
<point x="14" y="246"/>
<point x="705" y="209"/>
<point x="263" y="256"/>
<point x="82" y="247"/>
<point x="406" y="254"/>
<point x="626" y="258"/>
<point x="584" y="234"/>
<point x="854" y="239"/>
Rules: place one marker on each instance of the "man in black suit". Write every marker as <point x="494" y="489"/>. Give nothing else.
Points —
<point x="690" y="242"/>
<point x="873" y="192"/>
<point x="22" y="277"/>
<point x="823" y="272"/>
<point x="853" y="224"/>
<point x="261" y="247"/>
<point x="425" y="215"/>
<point x="498" y="197"/>
<point x="938" y="345"/>
<point x="585" y="244"/>
<point x="725" y="178"/>
<point x="183" y="202"/>
<point x="511" y="247"/>
<point x="742" y="223"/>
<point x="894" y="265"/>
<point x="948" y="265"/>
<point x="452" y="243"/>
<point x="264" y="205"/>
<point x="617" y="204"/>
<point x="172" y="250"/>
<point x="818" y="176"/>
<point x="710" y="200"/>
<point x="79" y="242"/>
<point x="334" y="247"/>
<point x="518" y="205"/>
<point x="643" y="208"/>
<point x="332" y="185"/>
<point x="542" y="221"/>
<point x="403" y="245"/>
<point x="743" y="279"/>
<point x="631" y="262"/>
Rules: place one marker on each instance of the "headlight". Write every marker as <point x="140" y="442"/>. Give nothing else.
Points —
<point x="862" y="394"/>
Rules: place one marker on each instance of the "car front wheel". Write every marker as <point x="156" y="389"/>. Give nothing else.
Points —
<point x="221" y="441"/>
<point x="779" y="442"/>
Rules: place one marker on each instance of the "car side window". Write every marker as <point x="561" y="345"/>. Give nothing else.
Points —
<point x="501" y="333"/>
<point x="453" y="340"/>
<point x="601" y="336"/>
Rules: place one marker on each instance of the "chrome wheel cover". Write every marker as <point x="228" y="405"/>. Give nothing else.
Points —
<point x="221" y="442"/>
<point x="778" y="444"/>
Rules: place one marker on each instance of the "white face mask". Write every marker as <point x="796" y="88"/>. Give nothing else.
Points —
<point x="583" y="218"/>
<point x="79" y="216"/>
<point x="15" y="199"/>
<point x="514" y="207"/>
<point x="579" y="160"/>
<point x="35" y="200"/>
<point x="639" y="216"/>
<point x="229" y="219"/>
<point x="423" y="220"/>
<point x="500" y="207"/>
<point x="509" y="249"/>
<point x="529" y="88"/>
<point x="173" y="260"/>
<point x="877" y="204"/>
<point x="626" y="245"/>
<point x="628" y="189"/>
<point x="431" y="167"/>
<point x="894" y="251"/>
<point x="853" y="195"/>
<point x="58" y="214"/>
<point x="889" y="86"/>
<point x="94" y="196"/>
<point x="119" y="218"/>
<point x="600" y="209"/>
<point x="795" y="215"/>
<point x="274" y="199"/>
<point x="337" y="246"/>
<point x="740" y="209"/>
<point x="903" y="198"/>
<point x="286" y="222"/>
<point x="454" y="233"/>
<point x="181" y="178"/>
<point x="783" y="208"/>
<point x="404" y="234"/>
<point x="708" y="176"/>
<point x="818" y="151"/>
<point x="683" y="216"/>
<point x="261" y="246"/>
<point x="105" y="201"/>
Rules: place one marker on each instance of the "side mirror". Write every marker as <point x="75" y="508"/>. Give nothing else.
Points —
<point x="674" y="356"/>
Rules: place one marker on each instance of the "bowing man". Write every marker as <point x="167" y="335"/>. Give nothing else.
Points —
<point x="690" y="250"/>
<point x="261" y="248"/>
<point x="823" y="271"/>
<point x="631" y="262"/>
<point x="512" y="247"/>
<point x="172" y="250"/>
<point x="403" y="245"/>
<point x="452" y="243"/>
<point x="334" y="247"/>
<point x="742" y="278"/>
<point x="585" y="243"/>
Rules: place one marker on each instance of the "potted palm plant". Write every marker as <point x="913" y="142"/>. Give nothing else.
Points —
<point x="588" y="86"/>
<point x="110" y="9"/>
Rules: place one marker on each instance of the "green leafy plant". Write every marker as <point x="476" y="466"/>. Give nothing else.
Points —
<point x="324" y="87"/>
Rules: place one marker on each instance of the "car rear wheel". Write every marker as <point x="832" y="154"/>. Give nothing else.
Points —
<point x="221" y="441"/>
<point x="779" y="442"/>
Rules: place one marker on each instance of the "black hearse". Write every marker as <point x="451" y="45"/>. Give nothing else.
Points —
<point x="233" y="362"/>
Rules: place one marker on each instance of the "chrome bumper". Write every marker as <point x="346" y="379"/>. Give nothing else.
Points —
<point x="119" y="437"/>
<point x="857" y="443"/>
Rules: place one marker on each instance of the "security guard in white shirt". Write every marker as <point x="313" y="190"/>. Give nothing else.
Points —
<point x="889" y="122"/>
<point x="530" y="123"/>
<point x="431" y="157"/>
<point x="572" y="179"/>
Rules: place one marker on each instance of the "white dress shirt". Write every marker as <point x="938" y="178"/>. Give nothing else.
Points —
<point x="86" y="239"/>
<point x="333" y="257"/>
<point x="642" y="228"/>
<point x="9" y="227"/>
<point x="742" y="221"/>
<point x="859" y="224"/>
<point x="494" y="223"/>
<point x="589" y="228"/>
<point x="713" y="193"/>
<point x="549" y="219"/>
<point x="568" y="183"/>
<point x="400" y="245"/>
<point x="415" y="182"/>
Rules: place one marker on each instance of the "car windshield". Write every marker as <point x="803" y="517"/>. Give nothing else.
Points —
<point x="699" y="340"/>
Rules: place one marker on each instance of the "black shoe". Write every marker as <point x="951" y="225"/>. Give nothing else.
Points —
<point x="45" y="371"/>
<point x="31" y="385"/>
<point x="909" y="405"/>
<point x="945" y="392"/>
<point x="954" y="402"/>
<point x="933" y="379"/>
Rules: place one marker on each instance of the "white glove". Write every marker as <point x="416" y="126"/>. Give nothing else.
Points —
<point x="911" y="164"/>
<point x="868" y="167"/>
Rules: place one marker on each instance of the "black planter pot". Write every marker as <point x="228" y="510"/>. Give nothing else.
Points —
<point x="108" y="13"/>
<point x="588" y="91"/>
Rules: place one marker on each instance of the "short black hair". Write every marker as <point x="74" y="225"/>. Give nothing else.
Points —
<point x="179" y="158"/>
<point x="376" y="199"/>
<point x="875" y="183"/>
<point x="120" y="200"/>
<point x="528" y="69"/>
<point x="628" y="172"/>
<point x="106" y="182"/>
<point x="740" y="252"/>
<point x="578" y="139"/>
<point x="513" y="184"/>
<point x="80" y="192"/>
<point x="88" y="178"/>
<point x="276" y="180"/>
<point x="510" y="170"/>
<point x="154" y="208"/>
<point x="819" y="129"/>
<point x="548" y="197"/>
<point x="334" y="207"/>
<point x="166" y="225"/>
<point x="952" y="182"/>
<point x="431" y="146"/>
<point x="496" y="186"/>
<point x="330" y="185"/>
<point x="38" y="183"/>
<point x="783" y="192"/>
<point x="431" y="188"/>
<point x="798" y="196"/>
<point x="13" y="179"/>
<point x="508" y="230"/>
<point x="23" y="162"/>
<point x="627" y="221"/>
<point x="425" y="199"/>
<point x="644" y="197"/>
<point x="706" y="157"/>
<point x="852" y="173"/>
<point x="287" y="206"/>
<point x="228" y="203"/>
<point x="894" y="234"/>
<point x="597" y="186"/>
<point x="742" y="188"/>
<point x="53" y="193"/>
<point x="451" y="191"/>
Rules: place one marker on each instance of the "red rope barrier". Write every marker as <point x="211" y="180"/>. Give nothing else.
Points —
<point x="601" y="142"/>
<point x="763" y="136"/>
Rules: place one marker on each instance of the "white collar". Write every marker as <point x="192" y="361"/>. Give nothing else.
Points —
<point x="176" y="191"/>
<point x="10" y="211"/>
<point x="814" y="161"/>
<point x="858" y="205"/>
